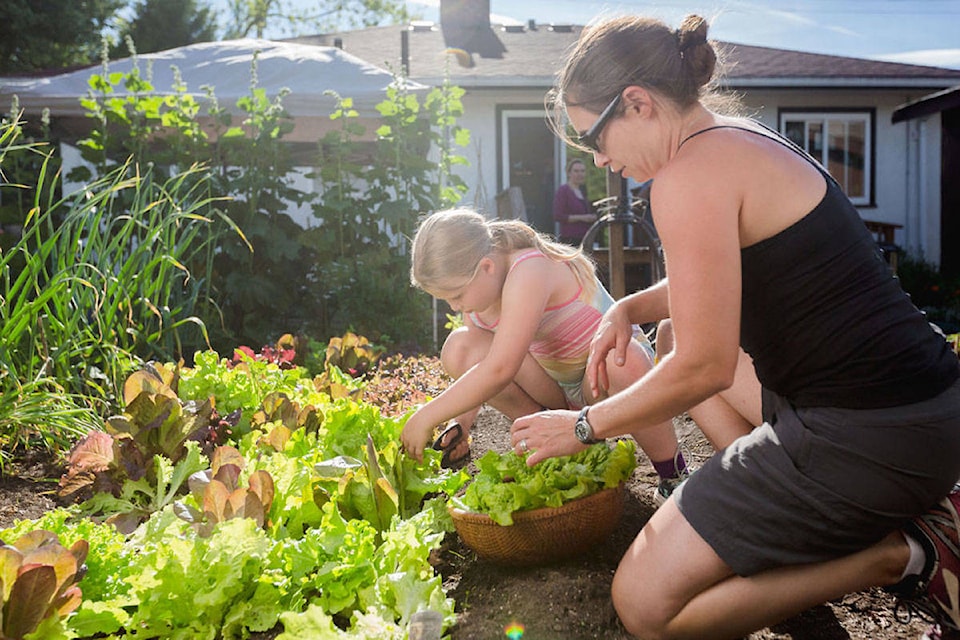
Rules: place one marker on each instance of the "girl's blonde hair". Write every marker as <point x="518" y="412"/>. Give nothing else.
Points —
<point x="450" y="244"/>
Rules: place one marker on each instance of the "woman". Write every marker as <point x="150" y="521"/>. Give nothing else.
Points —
<point x="847" y="483"/>
<point x="571" y="209"/>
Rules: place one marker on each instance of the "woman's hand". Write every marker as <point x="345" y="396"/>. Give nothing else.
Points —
<point x="547" y="434"/>
<point x="614" y="334"/>
<point x="415" y="435"/>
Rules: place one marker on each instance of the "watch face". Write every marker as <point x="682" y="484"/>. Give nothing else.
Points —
<point x="583" y="431"/>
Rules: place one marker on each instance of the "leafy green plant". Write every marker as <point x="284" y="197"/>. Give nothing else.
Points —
<point x="39" y="579"/>
<point x="353" y="354"/>
<point x="283" y="353"/>
<point x="505" y="484"/>
<point x="245" y="387"/>
<point x="931" y="291"/>
<point x="218" y="492"/>
<point x="156" y="420"/>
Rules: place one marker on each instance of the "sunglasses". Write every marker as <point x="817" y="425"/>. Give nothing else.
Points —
<point x="591" y="138"/>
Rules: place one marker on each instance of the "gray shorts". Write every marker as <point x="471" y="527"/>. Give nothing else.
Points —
<point x="814" y="484"/>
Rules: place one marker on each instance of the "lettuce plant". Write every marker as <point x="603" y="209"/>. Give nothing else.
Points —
<point x="505" y="484"/>
<point x="222" y="498"/>
<point x="38" y="577"/>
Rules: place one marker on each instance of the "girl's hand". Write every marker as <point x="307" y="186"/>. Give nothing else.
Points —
<point x="415" y="435"/>
<point x="614" y="334"/>
<point x="547" y="434"/>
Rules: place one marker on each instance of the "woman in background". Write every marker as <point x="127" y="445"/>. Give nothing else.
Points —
<point x="571" y="208"/>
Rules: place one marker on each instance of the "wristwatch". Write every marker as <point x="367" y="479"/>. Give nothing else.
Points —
<point x="583" y="430"/>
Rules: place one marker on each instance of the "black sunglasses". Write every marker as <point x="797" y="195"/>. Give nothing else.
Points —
<point x="590" y="138"/>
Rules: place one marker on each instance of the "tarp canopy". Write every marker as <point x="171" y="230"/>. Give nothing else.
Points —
<point x="308" y="71"/>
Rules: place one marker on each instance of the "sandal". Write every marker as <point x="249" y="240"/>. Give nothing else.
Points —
<point x="446" y="461"/>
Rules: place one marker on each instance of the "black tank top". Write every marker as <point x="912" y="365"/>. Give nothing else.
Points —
<point x="825" y="321"/>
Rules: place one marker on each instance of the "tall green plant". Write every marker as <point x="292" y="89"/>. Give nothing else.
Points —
<point x="111" y="275"/>
<point x="370" y="210"/>
<point x="346" y="273"/>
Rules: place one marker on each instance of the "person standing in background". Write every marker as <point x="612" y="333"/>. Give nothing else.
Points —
<point x="571" y="208"/>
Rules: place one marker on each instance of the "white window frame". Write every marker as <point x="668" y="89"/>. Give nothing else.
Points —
<point x="864" y="117"/>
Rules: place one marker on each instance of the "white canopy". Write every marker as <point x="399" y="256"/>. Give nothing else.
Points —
<point x="308" y="71"/>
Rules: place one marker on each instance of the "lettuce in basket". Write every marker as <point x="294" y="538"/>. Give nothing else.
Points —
<point x="505" y="484"/>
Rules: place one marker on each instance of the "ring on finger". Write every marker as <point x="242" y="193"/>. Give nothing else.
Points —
<point x="523" y="445"/>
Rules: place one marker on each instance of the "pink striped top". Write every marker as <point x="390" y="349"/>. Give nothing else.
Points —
<point x="562" y="341"/>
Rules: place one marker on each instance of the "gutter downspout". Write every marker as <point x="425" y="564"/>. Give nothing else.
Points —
<point x="923" y="195"/>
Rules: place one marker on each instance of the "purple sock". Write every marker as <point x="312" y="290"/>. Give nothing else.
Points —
<point x="671" y="468"/>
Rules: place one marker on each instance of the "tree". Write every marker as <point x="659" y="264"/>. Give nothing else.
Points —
<point x="36" y="35"/>
<point x="252" y="17"/>
<point x="164" y="24"/>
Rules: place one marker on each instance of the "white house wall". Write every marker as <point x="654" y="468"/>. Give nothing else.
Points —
<point x="903" y="151"/>
<point x="900" y="155"/>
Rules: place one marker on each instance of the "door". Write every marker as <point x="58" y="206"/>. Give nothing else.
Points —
<point x="528" y="159"/>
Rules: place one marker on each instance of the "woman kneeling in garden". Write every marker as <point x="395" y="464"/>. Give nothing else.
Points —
<point x="847" y="482"/>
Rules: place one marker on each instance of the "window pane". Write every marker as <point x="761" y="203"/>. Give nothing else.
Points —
<point x="856" y="159"/>
<point x="815" y="141"/>
<point x="837" y="152"/>
<point x="840" y="141"/>
<point x="794" y="131"/>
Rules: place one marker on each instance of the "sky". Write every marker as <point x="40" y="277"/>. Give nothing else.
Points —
<point x="910" y="31"/>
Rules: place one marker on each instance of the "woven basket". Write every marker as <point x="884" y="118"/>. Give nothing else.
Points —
<point x="543" y="535"/>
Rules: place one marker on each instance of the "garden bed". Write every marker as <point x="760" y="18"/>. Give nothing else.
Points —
<point x="569" y="599"/>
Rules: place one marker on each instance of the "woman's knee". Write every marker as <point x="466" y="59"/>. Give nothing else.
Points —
<point x="638" y="615"/>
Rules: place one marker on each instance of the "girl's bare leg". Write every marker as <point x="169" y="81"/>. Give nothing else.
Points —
<point x="731" y="413"/>
<point x="658" y="442"/>
<point x="532" y="389"/>
<point x="671" y="584"/>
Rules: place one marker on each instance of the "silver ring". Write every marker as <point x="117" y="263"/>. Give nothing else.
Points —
<point x="523" y="445"/>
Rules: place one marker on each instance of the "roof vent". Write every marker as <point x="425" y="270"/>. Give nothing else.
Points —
<point x="514" y="28"/>
<point x="421" y="25"/>
<point x="561" y="28"/>
<point x="532" y="24"/>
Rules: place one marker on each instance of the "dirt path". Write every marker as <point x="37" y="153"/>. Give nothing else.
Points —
<point x="571" y="600"/>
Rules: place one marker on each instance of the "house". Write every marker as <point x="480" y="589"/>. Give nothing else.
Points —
<point x="840" y="109"/>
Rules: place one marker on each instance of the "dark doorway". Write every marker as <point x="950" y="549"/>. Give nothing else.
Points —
<point x="530" y="165"/>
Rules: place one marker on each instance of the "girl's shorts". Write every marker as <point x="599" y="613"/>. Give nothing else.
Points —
<point x="813" y="484"/>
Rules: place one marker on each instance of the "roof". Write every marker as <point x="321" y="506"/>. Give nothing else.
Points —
<point x="309" y="72"/>
<point x="533" y="53"/>
<point x="928" y="105"/>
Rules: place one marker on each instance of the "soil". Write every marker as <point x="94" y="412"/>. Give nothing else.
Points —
<point x="570" y="600"/>
<point x="567" y="600"/>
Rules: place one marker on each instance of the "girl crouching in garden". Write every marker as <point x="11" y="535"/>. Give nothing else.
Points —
<point x="530" y="309"/>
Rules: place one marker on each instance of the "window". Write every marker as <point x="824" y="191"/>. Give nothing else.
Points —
<point x="841" y="141"/>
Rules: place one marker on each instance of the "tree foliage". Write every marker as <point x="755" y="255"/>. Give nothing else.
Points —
<point x="53" y="34"/>
<point x="251" y="18"/>
<point x="159" y="25"/>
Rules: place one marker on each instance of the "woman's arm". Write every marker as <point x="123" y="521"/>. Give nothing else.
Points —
<point x="616" y="331"/>
<point x="701" y="240"/>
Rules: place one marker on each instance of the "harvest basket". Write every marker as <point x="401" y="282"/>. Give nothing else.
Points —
<point x="542" y="535"/>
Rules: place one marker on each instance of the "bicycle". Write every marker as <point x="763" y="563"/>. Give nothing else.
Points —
<point x="639" y="231"/>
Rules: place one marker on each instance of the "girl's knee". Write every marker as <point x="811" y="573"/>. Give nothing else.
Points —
<point x="461" y="350"/>
<point x="664" y="340"/>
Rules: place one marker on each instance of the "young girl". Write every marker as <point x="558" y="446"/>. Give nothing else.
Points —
<point x="530" y="309"/>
